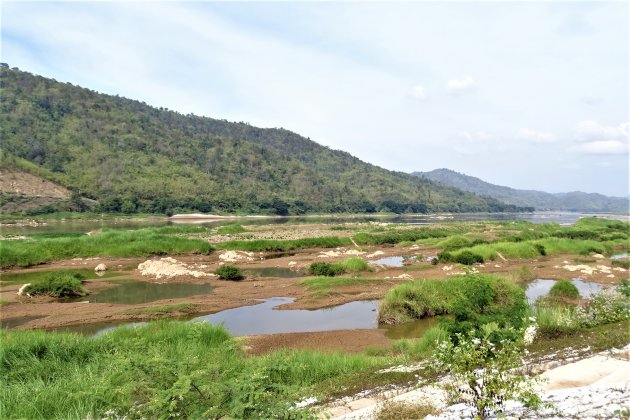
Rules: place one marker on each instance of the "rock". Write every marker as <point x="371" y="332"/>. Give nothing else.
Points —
<point x="100" y="267"/>
<point x="21" y="291"/>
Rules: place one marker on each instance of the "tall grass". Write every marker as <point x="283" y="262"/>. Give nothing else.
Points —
<point x="271" y="245"/>
<point x="112" y="243"/>
<point x="319" y="283"/>
<point x="165" y="369"/>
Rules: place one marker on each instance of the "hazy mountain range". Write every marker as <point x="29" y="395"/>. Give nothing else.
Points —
<point x="570" y="201"/>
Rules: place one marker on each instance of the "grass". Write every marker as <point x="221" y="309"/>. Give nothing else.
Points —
<point x="396" y="410"/>
<point x="56" y="284"/>
<point x="349" y="265"/>
<point x="5" y="302"/>
<point x="621" y="263"/>
<point x="271" y="245"/>
<point x="488" y="296"/>
<point x="164" y="369"/>
<point x="229" y="272"/>
<point x="564" y="289"/>
<point x="28" y="277"/>
<point x="324" y="282"/>
<point x="112" y="243"/>
<point x="161" y="310"/>
<point x="424" y="345"/>
<point x="231" y="229"/>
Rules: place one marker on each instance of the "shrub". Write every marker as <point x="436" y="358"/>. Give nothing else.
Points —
<point x="564" y="289"/>
<point x="445" y="257"/>
<point x="324" y="269"/>
<point x="468" y="258"/>
<point x="229" y="272"/>
<point x="352" y="265"/>
<point x="455" y="242"/>
<point x="57" y="284"/>
<point x="485" y="375"/>
<point x="541" y="249"/>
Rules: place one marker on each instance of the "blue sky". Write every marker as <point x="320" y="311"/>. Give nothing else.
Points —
<point x="526" y="94"/>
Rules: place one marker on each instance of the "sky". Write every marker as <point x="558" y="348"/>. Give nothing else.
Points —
<point x="531" y="95"/>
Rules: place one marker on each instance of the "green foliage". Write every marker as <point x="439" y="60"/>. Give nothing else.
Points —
<point x="398" y="236"/>
<point x="271" y="245"/>
<point x="621" y="263"/>
<point x="229" y="272"/>
<point x="468" y="258"/>
<point x="56" y="284"/>
<point x="117" y="150"/>
<point x="485" y="374"/>
<point x="396" y="410"/>
<point x="327" y="282"/>
<point x="564" y="289"/>
<point x="624" y="288"/>
<point x="230" y="229"/>
<point x="112" y="243"/>
<point x="324" y="269"/>
<point x="349" y="265"/>
<point x="162" y="310"/>
<point x="164" y="369"/>
<point x="454" y="242"/>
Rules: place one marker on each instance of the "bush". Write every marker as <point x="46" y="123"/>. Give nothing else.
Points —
<point x="541" y="249"/>
<point x="229" y="272"/>
<point x="445" y="257"/>
<point x="324" y="269"/>
<point x="57" y="284"/>
<point x="564" y="289"/>
<point x="352" y="265"/>
<point x="468" y="258"/>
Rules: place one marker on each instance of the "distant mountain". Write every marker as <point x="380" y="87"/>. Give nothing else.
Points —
<point x="132" y="157"/>
<point x="571" y="201"/>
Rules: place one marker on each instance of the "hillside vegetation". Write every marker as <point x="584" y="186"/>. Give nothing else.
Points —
<point x="132" y="157"/>
<point x="571" y="201"/>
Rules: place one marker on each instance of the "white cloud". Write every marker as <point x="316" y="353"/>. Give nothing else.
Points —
<point x="419" y="92"/>
<point x="475" y="136"/>
<point x="595" y="132"/>
<point x="459" y="85"/>
<point x="535" y="136"/>
<point x="604" y="147"/>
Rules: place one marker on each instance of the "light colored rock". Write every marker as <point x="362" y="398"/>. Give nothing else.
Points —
<point x="100" y="267"/>
<point x="168" y="267"/>
<point x="21" y="290"/>
<point x="234" y="256"/>
<point x="375" y="254"/>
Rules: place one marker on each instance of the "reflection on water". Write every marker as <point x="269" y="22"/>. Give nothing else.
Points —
<point x="413" y="329"/>
<point x="15" y="322"/>
<point x="134" y="292"/>
<point x="620" y="256"/>
<point x="86" y="226"/>
<point x="264" y="319"/>
<point x="390" y="261"/>
<point x="541" y="287"/>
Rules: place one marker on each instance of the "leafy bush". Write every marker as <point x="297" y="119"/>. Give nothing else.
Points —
<point x="324" y="269"/>
<point x="624" y="288"/>
<point x="564" y="289"/>
<point x="468" y="258"/>
<point x="57" y="284"/>
<point x="229" y="272"/>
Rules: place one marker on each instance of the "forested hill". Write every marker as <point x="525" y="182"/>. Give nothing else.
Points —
<point x="572" y="201"/>
<point x="132" y="157"/>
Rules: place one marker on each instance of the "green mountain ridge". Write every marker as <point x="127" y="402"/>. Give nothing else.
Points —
<point x="570" y="201"/>
<point x="132" y="157"/>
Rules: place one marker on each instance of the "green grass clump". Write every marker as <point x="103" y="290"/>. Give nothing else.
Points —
<point x="230" y="229"/>
<point x="474" y="299"/>
<point x="349" y="265"/>
<point x="229" y="272"/>
<point x="324" y="269"/>
<point x="29" y="277"/>
<point x="621" y="263"/>
<point x="398" y="236"/>
<point x="160" y="310"/>
<point x="465" y="257"/>
<point x="564" y="289"/>
<point x="272" y="245"/>
<point x="56" y="285"/>
<point x="454" y="242"/>
<point x="423" y="345"/>
<point x="164" y="369"/>
<point x="110" y="243"/>
<point x="324" y="283"/>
